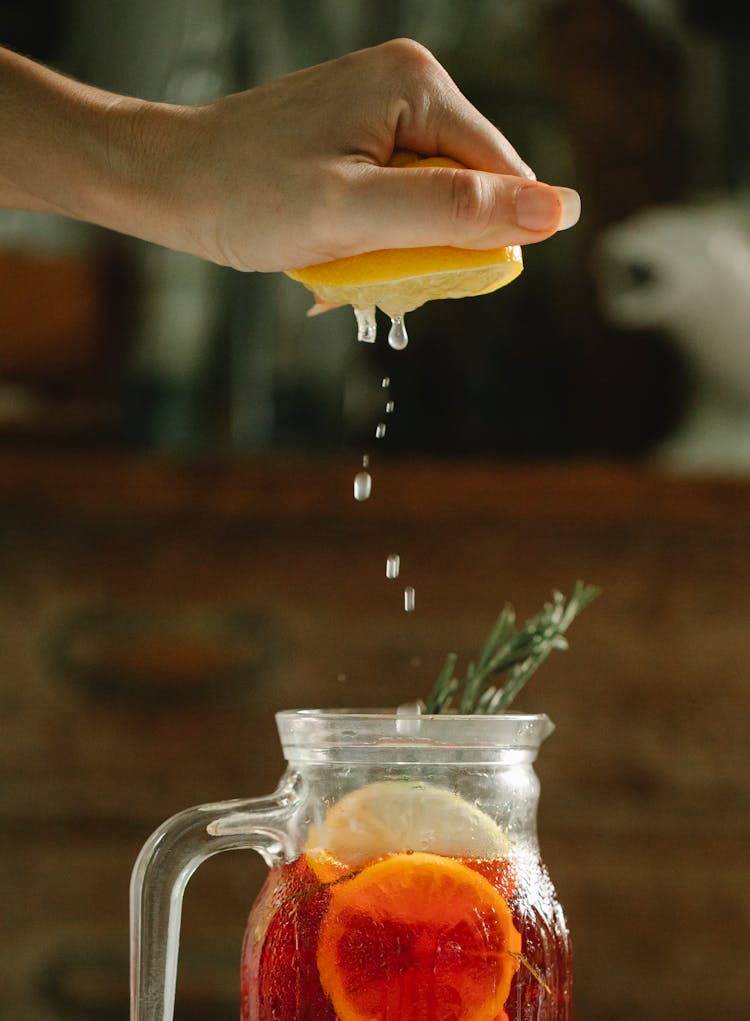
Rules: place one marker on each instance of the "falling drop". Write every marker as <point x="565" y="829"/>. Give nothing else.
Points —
<point x="397" y="335"/>
<point x="362" y="486"/>
<point x="408" y="599"/>
<point x="385" y="382"/>
<point x="380" y="431"/>
<point x="365" y="460"/>
<point x="367" y="326"/>
<point x="389" y="407"/>
<point x="392" y="565"/>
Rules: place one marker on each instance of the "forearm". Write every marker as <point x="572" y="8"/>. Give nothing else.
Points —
<point x="54" y="149"/>
<point x="73" y="149"/>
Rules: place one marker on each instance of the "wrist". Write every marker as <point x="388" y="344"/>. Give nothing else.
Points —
<point x="138" y="193"/>
<point x="159" y="189"/>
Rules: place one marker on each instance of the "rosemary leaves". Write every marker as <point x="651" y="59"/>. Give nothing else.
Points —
<point x="515" y="653"/>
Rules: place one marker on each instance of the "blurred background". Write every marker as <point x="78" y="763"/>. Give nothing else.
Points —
<point x="182" y="555"/>
<point x="637" y="103"/>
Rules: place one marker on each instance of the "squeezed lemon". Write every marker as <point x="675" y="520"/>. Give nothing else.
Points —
<point x="398" y="280"/>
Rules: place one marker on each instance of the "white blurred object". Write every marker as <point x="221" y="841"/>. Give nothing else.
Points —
<point x="685" y="270"/>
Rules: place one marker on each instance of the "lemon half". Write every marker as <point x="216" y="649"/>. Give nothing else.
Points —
<point x="395" y="816"/>
<point x="398" y="280"/>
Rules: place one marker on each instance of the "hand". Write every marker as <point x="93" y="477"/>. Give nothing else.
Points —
<point x="295" y="171"/>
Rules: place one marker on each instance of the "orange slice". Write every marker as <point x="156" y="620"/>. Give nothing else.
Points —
<point x="398" y="280"/>
<point x="417" y="937"/>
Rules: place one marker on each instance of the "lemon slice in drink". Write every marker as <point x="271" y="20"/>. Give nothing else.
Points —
<point x="398" y="280"/>
<point x="395" y="816"/>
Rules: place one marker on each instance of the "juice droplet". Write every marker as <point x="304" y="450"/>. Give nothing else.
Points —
<point x="408" y="599"/>
<point x="362" y="486"/>
<point x="380" y="431"/>
<point x="389" y="407"/>
<point x="392" y="565"/>
<point x="367" y="326"/>
<point x="397" y="335"/>
<point x="385" y="382"/>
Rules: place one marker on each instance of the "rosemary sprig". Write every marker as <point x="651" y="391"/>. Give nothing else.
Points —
<point x="516" y="653"/>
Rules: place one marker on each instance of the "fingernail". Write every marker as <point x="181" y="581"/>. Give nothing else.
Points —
<point x="539" y="208"/>
<point x="570" y="201"/>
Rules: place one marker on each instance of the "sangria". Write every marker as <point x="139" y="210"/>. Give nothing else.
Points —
<point x="407" y="936"/>
<point x="405" y="880"/>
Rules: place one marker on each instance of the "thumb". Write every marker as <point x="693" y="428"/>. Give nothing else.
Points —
<point x="414" y="207"/>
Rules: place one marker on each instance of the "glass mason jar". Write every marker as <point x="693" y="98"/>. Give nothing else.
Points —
<point x="405" y="878"/>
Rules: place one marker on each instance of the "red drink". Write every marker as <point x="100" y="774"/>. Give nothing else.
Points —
<point x="405" y="879"/>
<point x="417" y="937"/>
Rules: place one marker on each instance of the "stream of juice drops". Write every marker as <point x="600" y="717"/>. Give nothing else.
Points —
<point x="398" y="339"/>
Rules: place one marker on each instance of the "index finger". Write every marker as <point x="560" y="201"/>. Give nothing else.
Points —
<point x="435" y="118"/>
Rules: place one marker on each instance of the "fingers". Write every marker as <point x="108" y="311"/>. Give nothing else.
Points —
<point x="495" y="203"/>
<point x="437" y="119"/>
<point x="392" y="208"/>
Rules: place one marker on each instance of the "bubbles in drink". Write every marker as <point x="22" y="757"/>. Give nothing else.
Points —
<point x="409" y="599"/>
<point x="367" y="326"/>
<point x="397" y="335"/>
<point x="362" y="486"/>
<point x="365" y="460"/>
<point x="392" y="565"/>
<point x="385" y="382"/>
<point x="380" y="430"/>
<point x="390" y="405"/>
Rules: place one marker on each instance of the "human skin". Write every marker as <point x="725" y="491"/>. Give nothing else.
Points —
<point x="284" y="175"/>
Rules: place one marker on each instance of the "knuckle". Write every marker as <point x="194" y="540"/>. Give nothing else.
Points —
<point x="410" y="72"/>
<point x="409" y="62"/>
<point x="470" y="202"/>
<point x="409" y="52"/>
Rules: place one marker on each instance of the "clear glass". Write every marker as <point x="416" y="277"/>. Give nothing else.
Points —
<point x="405" y="878"/>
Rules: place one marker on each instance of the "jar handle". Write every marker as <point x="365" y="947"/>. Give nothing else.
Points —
<point x="167" y="861"/>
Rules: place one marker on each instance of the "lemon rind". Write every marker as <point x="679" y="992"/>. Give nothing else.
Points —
<point x="395" y="265"/>
<point x="398" y="298"/>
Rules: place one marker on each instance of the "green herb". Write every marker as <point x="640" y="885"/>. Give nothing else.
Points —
<point x="515" y="653"/>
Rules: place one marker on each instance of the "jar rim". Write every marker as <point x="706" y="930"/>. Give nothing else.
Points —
<point x="308" y="729"/>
